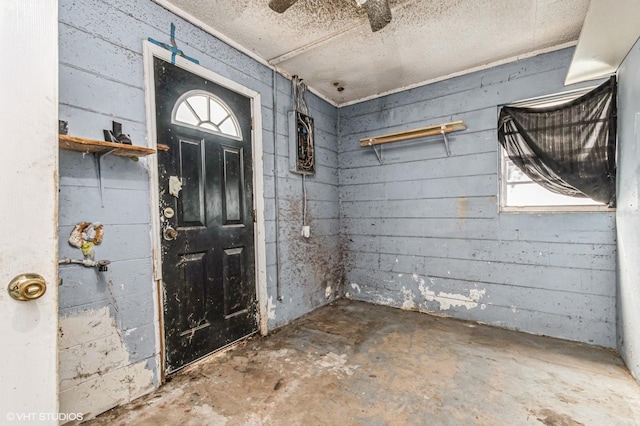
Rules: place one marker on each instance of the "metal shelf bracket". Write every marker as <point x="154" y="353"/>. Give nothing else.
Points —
<point x="99" y="156"/>
<point x="441" y="129"/>
<point x="378" y="154"/>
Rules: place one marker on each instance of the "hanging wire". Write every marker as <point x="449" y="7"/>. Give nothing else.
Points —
<point x="295" y="83"/>
<point x="303" y="98"/>
<point x="299" y="95"/>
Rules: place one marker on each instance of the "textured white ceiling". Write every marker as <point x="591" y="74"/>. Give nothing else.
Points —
<point x="330" y="41"/>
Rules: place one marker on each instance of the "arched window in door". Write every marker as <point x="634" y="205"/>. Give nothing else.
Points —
<point x="204" y="111"/>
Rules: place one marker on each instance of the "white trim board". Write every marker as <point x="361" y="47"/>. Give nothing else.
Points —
<point x="608" y="34"/>
<point x="149" y="52"/>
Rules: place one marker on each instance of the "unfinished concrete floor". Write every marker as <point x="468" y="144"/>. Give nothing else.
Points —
<point x="352" y="363"/>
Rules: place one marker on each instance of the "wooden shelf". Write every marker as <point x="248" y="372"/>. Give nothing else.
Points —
<point x="72" y="143"/>
<point x="414" y="134"/>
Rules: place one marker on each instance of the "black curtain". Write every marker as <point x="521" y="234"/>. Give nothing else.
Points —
<point x="569" y="149"/>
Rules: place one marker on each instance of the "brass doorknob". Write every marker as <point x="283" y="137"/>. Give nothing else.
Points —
<point x="27" y="287"/>
<point x="170" y="234"/>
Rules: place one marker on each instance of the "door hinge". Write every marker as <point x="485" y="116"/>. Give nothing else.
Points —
<point x="252" y="128"/>
<point x="255" y="216"/>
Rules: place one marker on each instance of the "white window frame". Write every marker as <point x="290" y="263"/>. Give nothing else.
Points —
<point x="503" y="160"/>
<point x="230" y="115"/>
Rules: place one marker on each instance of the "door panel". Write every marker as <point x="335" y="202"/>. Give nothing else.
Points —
<point x="191" y="202"/>
<point x="233" y="182"/>
<point x="208" y="270"/>
<point x="233" y="269"/>
<point x="193" y="292"/>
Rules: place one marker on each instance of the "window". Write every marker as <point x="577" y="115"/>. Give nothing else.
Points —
<point x="204" y="111"/>
<point x="519" y="193"/>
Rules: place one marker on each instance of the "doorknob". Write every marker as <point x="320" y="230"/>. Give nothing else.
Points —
<point x="27" y="287"/>
<point x="170" y="234"/>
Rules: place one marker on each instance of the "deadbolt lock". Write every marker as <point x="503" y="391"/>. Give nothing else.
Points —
<point x="169" y="213"/>
<point x="27" y="287"/>
<point x="170" y="234"/>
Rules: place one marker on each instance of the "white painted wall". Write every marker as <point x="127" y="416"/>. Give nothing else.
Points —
<point x="28" y="230"/>
<point x="628" y="211"/>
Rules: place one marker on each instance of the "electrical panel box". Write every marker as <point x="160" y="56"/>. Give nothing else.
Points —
<point x="301" y="144"/>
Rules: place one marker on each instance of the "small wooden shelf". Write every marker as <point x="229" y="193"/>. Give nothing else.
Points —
<point x="414" y="134"/>
<point x="72" y="143"/>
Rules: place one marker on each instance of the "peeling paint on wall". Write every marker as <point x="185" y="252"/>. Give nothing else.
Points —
<point x="449" y="300"/>
<point x="408" y="303"/>
<point x="328" y="292"/>
<point x="382" y="300"/>
<point x="407" y="300"/>
<point x="97" y="370"/>
<point x="271" y="309"/>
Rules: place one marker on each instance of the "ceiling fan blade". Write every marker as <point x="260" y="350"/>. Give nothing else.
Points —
<point x="379" y="13"/>
<point x="281" y="6"/>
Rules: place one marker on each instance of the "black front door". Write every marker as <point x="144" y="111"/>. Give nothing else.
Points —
<point x="206" y="214"/>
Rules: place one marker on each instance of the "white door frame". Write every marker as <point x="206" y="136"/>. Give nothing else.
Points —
<point x="152" y="51"/>
<point x="29" y="226"/>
